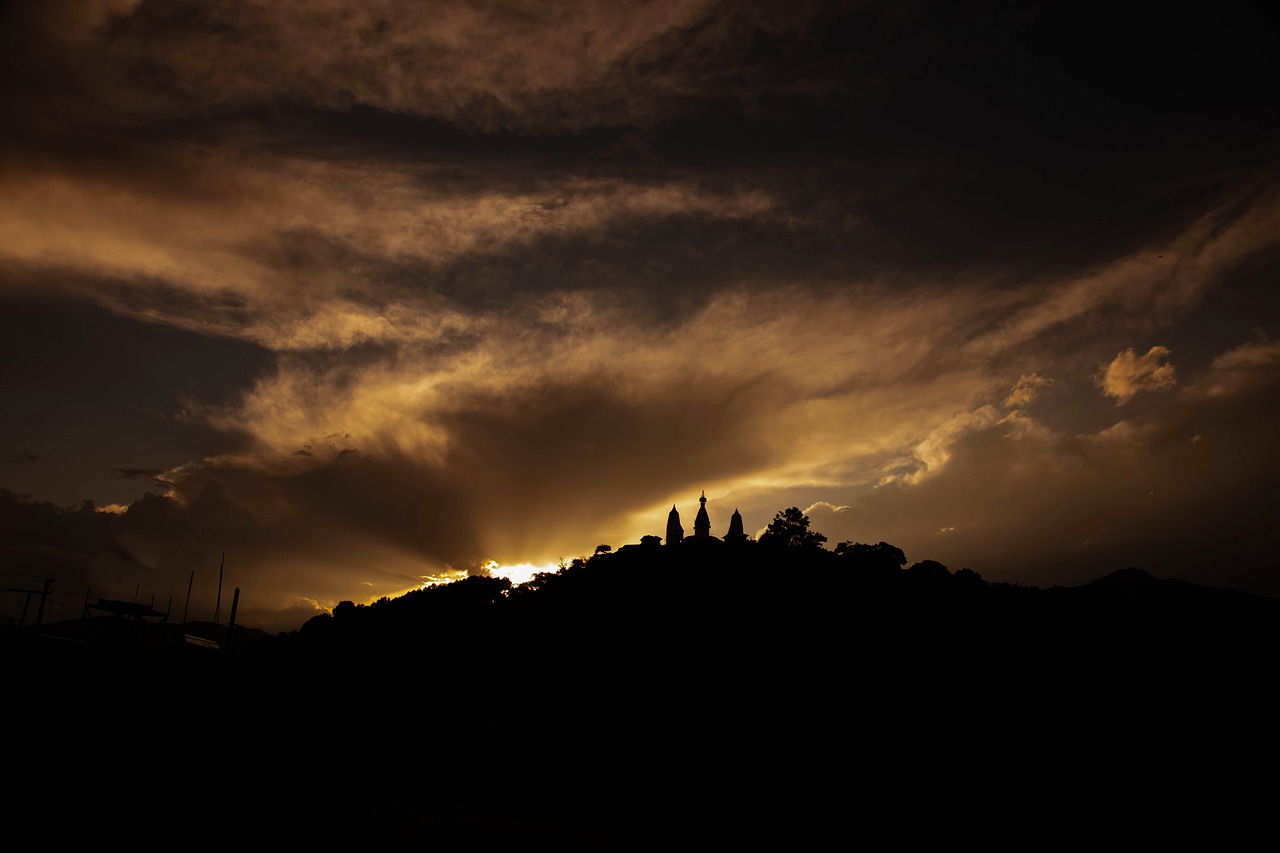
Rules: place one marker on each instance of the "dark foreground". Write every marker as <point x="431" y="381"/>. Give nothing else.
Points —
<point x="771" y="699"/>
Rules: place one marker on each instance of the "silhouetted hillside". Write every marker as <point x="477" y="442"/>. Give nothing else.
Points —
<point x="727" y="694"/>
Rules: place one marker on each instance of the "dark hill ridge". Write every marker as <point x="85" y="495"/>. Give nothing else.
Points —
<point x="729" y="695"/>
<point x="1225" y="616"/>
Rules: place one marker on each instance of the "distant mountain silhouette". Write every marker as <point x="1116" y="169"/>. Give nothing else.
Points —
<point x="1222" y="615"/>
<point x="763" y="694"/>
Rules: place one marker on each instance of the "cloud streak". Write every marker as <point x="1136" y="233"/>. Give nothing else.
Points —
<point x="382" y="292"/>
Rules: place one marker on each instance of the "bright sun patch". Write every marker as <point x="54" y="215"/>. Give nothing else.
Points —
<point x="517" y="573"/>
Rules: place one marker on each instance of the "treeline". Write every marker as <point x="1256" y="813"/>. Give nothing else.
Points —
<point x="770" y="682"/>
<point x="774" y="691"/>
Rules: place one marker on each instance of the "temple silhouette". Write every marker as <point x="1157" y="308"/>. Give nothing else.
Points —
<point x="702" y="527"/>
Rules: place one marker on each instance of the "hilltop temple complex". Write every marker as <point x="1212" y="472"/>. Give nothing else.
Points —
<point x="702" y="527"/>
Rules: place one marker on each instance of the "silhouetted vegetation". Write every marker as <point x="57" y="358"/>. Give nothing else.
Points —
<point x="881" y="558"/>
<point x="786" y="694"/>
<point x="790" y="527"/>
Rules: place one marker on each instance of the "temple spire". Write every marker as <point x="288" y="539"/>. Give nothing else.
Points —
<point x="702" y="523"/>
<point x="735" y="533"/>
<point x="675" y="533"/>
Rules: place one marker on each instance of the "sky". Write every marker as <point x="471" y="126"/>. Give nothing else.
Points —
<point x="330" y="300"/>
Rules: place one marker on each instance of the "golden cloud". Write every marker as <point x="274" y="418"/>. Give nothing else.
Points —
<point x="1026" y="391"/>
<point x="1129" y="374"/>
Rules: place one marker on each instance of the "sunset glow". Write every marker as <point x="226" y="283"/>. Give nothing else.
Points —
<point x="518" y="573"/>
<point x="355" y="294"/>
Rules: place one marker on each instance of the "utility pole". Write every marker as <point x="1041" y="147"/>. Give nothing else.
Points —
<point x="231" y="628"/>
<point x="217" y="608"/>
<point x="84" y="615"/>
<point x="190" y="581"/>
<point x="43" y="593"/>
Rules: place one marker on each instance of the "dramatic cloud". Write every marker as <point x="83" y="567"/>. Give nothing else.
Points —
<point x="1027" y="390"/>
<point x="372" y="295"/>
<point x="1173" y="491"/>
<point x="531" y="67"/>
<point x="1130" y="373"/>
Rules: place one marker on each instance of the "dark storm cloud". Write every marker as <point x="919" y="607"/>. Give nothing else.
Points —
<point x="153" y="474"/>
<point x="105" y="554"/>
<point x="157" y="548"/>
<point x="85" y="389"/>
<point x="843" y="122"/>
<point x="381" y="291"/>
<point x="536" y="67"/>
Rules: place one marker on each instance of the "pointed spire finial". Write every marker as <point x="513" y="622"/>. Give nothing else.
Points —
<point x="702" y="524"/>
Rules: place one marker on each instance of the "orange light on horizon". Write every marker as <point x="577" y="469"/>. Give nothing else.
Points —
<point x="517" y="573"/>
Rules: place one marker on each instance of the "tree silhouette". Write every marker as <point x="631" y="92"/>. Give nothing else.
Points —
<point x="881" y="557"/>
<point x="929" y="570"/>
<point x="791" y="527"/>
